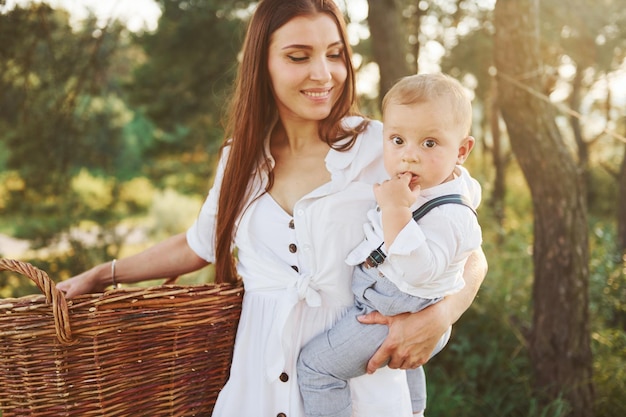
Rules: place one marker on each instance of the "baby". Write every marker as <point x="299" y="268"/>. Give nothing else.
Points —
<point x="417" y="239"/>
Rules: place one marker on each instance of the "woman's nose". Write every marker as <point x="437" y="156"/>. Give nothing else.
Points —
<point x="320" y="71"/>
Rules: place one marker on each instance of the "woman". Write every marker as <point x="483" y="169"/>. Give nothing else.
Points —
<point x="291" y="193"/>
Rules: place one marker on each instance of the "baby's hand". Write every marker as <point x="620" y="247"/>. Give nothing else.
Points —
<point x="396" y="192"/>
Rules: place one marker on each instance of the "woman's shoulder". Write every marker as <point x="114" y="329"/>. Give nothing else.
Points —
<point x="363" y="160"/>
<point x="366" y="131"/>
<point x="372" y="127"/>
<point x="370" y="134"/>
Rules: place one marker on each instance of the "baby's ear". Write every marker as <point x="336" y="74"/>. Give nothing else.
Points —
<point x="466" y="146"/>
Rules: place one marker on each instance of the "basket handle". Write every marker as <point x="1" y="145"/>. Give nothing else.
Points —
<point x="53" y="296"/>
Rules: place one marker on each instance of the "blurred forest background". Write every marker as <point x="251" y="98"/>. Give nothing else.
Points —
<point x="108" y="138"/>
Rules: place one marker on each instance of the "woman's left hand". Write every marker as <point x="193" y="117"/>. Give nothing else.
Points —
<point x="412" y="337"/>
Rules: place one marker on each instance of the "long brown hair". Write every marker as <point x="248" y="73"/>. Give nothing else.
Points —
<point x="253" y="109"/>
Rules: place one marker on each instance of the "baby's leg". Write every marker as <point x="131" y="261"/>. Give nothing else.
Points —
<point x="416" y="379"/>
<point x="417" y="387"/>
<point x="328" y="361"/>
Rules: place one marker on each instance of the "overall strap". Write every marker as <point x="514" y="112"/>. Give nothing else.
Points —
<point x="444" y="199"/>
<point x="377" y="256"/>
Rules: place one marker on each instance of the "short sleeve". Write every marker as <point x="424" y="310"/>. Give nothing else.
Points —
<point x="201" y="234"/>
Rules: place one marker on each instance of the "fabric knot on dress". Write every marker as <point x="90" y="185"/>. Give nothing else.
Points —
<point x="306" y="292"/>
<point x="300" y="289"/>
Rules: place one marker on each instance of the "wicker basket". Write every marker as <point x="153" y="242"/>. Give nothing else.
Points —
<point x="158" y="351"/>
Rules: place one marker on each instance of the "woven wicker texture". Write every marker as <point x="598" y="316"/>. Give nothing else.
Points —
<point x="158" y="351"/>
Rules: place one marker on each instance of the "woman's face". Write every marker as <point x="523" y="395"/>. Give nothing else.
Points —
<point x="306" y="67"/>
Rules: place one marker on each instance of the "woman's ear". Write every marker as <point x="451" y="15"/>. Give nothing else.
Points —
<point x="466" y="146"/>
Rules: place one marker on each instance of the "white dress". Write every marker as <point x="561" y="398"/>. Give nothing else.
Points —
<point x="297" y="285"/>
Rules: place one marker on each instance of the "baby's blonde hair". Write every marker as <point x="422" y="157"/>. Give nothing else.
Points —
<point x="419" y="88"/>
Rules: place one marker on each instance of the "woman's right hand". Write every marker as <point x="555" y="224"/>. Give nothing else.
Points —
<point x="86" y="282"/>
<point x="171" y="258"/>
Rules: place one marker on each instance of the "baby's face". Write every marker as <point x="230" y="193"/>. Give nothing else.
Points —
<point x="424" y="140"/>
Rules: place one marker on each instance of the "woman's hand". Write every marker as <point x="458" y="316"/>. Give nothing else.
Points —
<point x="85" y="283"/>
<point x="412" y="337"/>
<point x="171" y="258"/>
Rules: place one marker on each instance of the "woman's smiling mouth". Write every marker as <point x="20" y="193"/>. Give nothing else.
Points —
<point x="317" y="94"/>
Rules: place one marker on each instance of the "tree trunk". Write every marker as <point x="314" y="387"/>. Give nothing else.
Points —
<point x="621" y="208"/>
<point x="560" y="339"/>
<point x="389" y="45"/>
<point x="414" y="26"/>
<point x="499" y="159"/>
<point x="583" y="147"/>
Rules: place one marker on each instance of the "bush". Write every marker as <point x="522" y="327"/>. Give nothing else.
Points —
<point x="485" y="370"/>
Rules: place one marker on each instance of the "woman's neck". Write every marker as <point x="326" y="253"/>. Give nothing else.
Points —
<point x="295" y="138"/>
<point x="299" y="165"/>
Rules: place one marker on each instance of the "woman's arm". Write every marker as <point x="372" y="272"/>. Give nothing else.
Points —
<point x="413" y="337"/>
<point x="170" y="258"/>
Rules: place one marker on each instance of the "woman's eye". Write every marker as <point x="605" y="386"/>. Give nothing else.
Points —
<point x="297" y="58"/>
<point x="397" y="140"/>
<point x="429" y="143"/>
<point x="335" y="55"/>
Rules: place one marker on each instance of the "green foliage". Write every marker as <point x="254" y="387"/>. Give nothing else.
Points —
<point x="186" y="171"/>
<point x="608" y="324"/>
<point x="609" y="350"/>
<point x="58" y="113"/>
<point x="101" y="236"/>
<point x="13" y="285"/>
<point x="172" y="213"/>
<point x="4" y="153"/>
<point x="184" y="82"/>
<point x="49" y="71"/>
<point x="139" y="136"/>
<point x="95" y="193"/>
<point x="485" y="369"/>
<point x="604" y="188"/>
<point x="607" y="278"/>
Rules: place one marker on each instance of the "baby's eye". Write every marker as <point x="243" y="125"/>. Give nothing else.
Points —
<point x="397" y="140"/>
<point x="429" y="143"/>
